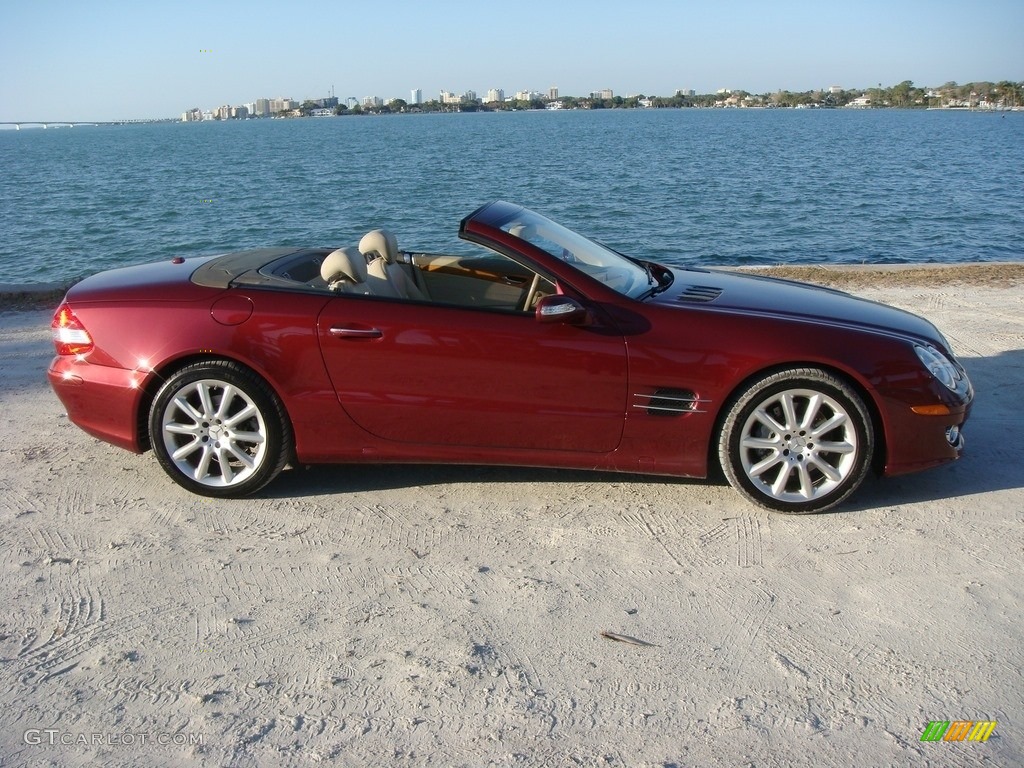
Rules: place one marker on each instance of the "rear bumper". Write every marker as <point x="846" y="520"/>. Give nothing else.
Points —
<point x="101" y="400"/>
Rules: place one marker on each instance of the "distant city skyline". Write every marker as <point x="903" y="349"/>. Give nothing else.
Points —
<point x="111" y="60"/>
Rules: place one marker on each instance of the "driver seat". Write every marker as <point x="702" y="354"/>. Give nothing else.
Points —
<point x="384" y="272"/>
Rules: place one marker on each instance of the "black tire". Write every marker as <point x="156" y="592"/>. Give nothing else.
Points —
<point x="219" y="430"/>
<point x="797" y="441"/>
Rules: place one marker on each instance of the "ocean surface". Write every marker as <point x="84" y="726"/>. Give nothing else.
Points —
<point x="721" y="187"/>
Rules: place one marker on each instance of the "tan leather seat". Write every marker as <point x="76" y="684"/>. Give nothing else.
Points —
<point x="386" y="275"/>
<point x="344" y="271"/>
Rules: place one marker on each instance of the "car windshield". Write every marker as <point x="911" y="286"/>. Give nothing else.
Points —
<point x="614" y="270"/>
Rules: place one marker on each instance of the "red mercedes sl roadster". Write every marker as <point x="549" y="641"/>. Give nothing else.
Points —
<point x="528" y="344"/>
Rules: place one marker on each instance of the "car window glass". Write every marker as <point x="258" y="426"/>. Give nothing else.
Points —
<point x="594" y="259"/>
<point x="477" y="277"/>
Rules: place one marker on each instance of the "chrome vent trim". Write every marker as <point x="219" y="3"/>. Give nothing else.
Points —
<point x="699" y="294"/>
<point x="669" y="401"/>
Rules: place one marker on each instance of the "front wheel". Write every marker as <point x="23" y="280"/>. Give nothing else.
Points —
<point x="218" y="430"/>
<point x="797" y="441"/>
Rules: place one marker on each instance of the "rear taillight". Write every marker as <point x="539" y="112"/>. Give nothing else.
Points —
<point x="69" y="335"/>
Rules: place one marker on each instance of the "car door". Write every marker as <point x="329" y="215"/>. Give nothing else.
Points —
<point x="450" y="375"/>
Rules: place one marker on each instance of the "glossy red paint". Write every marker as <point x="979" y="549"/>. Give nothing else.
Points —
<point x="536" y="386"/>
<point x="366" y="378"/>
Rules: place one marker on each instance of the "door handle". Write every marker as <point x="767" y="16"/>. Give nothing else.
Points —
<point x="356" y="333"/>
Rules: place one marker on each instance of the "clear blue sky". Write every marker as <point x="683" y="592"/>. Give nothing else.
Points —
<point x="68" y="59"/>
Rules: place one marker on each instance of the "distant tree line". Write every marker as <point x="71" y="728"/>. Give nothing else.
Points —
<point x="904" y="95"/>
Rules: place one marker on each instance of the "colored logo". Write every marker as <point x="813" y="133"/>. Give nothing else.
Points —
<point x="958" y="730"/>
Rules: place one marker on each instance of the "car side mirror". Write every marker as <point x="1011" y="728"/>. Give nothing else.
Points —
<point x="561" y="309"/>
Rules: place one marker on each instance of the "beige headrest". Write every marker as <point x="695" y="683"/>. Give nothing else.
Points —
<point x="380" y="242"/>
<point x="523" y="231"/>
<point x="344" y="264"/>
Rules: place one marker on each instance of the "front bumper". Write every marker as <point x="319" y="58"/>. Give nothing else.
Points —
<point x="917" y="441"/>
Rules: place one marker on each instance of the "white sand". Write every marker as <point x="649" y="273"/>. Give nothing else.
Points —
<point x="453" y="616"/>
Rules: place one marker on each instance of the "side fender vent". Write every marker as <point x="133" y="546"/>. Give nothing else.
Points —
<point x="699" y="294"/>
<point x="668" y="401"/>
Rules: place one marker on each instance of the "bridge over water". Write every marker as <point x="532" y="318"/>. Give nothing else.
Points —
<point x="18" y="125"/>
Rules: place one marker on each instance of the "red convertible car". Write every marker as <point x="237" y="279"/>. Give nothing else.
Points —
<point x="527" y="345"/>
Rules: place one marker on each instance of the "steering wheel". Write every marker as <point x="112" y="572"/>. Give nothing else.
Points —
<point x="530" y="292"/>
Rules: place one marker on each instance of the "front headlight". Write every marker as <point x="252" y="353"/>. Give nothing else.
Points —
<point x="938" y="365"/>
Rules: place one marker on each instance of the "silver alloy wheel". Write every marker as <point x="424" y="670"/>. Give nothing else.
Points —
<point x="799" y="445"/>
<point x="214" y="433"/>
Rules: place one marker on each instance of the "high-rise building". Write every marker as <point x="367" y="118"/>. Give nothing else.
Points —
<point x="495" y="94"/>
<point x="553" y="93"/>
<point x="282" y="104"/>
<point x="417" y="96"/>
<point x="262" y="108"/>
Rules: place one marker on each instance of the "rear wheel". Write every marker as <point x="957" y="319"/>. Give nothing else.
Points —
<point x="218" y="430"/>
<point x="797" y="441"/>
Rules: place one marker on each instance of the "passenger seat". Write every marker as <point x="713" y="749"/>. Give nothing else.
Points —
<point x="344" y="271"/>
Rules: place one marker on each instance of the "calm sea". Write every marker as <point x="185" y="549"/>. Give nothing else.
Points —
<point x="726" y="187"/>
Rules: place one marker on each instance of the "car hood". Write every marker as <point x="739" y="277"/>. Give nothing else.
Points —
<point x="719" y="290"/>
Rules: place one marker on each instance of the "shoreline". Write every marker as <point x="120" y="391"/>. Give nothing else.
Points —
<point x="33" y="296"/>
<point x="994" y="274"/>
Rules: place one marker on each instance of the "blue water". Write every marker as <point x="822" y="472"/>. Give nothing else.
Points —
<point x="725" y="187"/>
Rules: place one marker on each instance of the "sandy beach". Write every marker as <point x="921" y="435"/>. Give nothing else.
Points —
<point x="462" y="616"/>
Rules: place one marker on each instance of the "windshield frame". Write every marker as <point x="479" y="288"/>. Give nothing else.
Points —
<point x="615" y="271"/>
